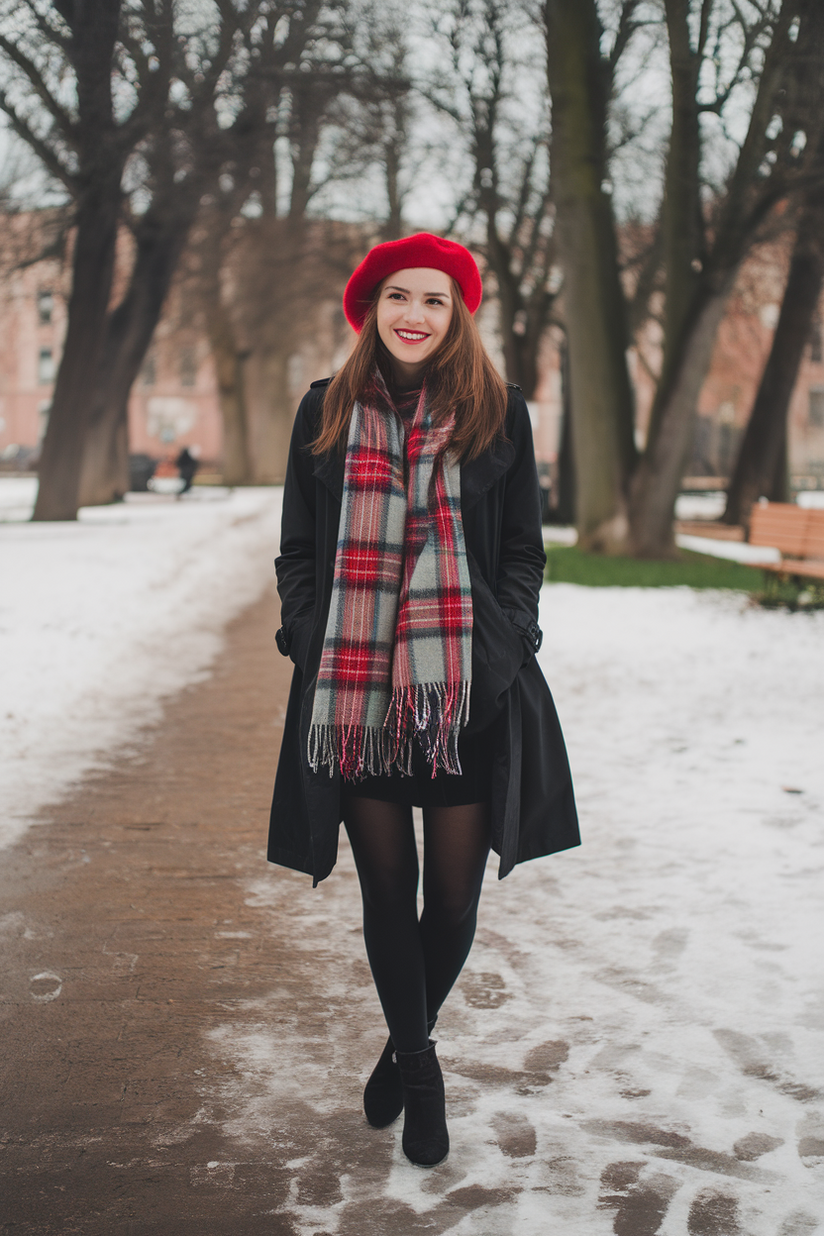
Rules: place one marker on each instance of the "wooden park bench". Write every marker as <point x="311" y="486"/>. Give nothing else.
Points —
<point x="798" y="532"/>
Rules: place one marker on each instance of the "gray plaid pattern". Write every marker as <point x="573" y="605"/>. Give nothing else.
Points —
<point x="396" y="661"/>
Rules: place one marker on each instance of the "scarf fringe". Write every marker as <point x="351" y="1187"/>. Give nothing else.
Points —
<point x="431" y="714"/>
<point x="357" y="750"/>
<point x="428" y="714"/>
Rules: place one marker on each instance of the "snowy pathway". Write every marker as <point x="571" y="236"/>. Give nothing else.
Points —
<point x="103" y="618"/>
<point x="637" y="1044"/>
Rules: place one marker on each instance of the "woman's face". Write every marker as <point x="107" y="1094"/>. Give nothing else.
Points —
<point x="414" y="312"/>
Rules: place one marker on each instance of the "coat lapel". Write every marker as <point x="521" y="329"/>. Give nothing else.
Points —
<point x="480" y="474"/>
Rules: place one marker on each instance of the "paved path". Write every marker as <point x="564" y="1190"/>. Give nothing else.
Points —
<point x="185" y="1031"/>
<point x="128" y="938"/>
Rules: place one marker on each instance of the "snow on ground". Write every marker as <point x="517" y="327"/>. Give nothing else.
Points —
<point x="103" y="618"/>
<point x="737" y="551"/>
<point x="636" y="1045"/>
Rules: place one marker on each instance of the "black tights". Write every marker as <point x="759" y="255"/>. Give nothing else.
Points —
<point x="415" y="963"/>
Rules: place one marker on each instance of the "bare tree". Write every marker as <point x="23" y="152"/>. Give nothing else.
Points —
<point x="372" y="122"/>
<point x="145" y="82"/>
<point x="91" y="168"/>
<point x="581" y="82"/>
<point x="335" y="114"/>
<point x="184" y="152"/>
<point x="703" y="250"/>
<point x="760" y="469"/>
<point x="486" y="42"/>
<point x="761" y="466"/>
<point x="727" y="60"/>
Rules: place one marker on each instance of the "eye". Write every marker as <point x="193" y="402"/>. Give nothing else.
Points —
<point x="435" y="300"/>
<point x="395" y="296"/>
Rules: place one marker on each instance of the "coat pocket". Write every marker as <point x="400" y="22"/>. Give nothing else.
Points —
<point x="293" y="638"/>
<point x="498" y="652"/>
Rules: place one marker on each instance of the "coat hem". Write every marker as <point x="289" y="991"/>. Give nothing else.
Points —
<point x="288" y="858"/>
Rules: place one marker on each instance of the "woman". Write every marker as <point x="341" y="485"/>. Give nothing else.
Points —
<point x="410" y="567"/>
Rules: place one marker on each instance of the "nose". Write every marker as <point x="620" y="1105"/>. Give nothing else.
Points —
<point x="414" y="311"/>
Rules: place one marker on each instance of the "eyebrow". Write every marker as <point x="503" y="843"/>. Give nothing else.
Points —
<point x="394" y="287"/>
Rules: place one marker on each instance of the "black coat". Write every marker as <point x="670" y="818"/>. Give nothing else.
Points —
<point x="532" y="805"/>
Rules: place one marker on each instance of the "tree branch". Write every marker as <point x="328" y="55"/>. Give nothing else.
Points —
<point x="626" y="29"/>
<point x="66" y="10"/>
<point x="51" y="34"/>
<point x="751" y="36"/>
<point x="754" y="145"/>
<point x="44" y="152"/>
<point x="704" y="27"/>
<point x="31" y="71"/>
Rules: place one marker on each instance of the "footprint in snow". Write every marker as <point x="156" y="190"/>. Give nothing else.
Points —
<point x="799" y="1224"/>
<point x="515" y="1135"/>
<point x="714" y="1213"/>
<point x="640" y="1205"/>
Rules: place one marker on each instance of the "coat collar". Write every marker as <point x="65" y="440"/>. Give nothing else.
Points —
<point x="328" y="468"/>
<point x="477" y="476"/>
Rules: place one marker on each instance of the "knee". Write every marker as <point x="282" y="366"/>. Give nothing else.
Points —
<point x="453" y="907"/>
<point x="390" y="899"/>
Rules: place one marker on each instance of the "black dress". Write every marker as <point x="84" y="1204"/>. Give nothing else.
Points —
<point x="422" y="789"/>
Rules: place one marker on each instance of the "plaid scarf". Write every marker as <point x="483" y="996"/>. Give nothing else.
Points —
<point x="396" y="661"/>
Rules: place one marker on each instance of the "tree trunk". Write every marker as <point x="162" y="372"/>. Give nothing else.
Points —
<point x="94" y="27"/>
<point x="61" y="459"/>
<point x="691" y="313"/>
<point x="565" y="506"/>
<point x="682" y="228"/>
<point x="522" y="366"/>
<point x="657" y="479"/>
<point x="779" y="491"/>
<point x="761" y="467"/>
<point x="602" y="420"/>
<point x="105" y="474"/>
<point x="229" y="367"/>
<point x="272" y="412"/>
<point x="522" y="322"/>
<point x="392" y="153"/>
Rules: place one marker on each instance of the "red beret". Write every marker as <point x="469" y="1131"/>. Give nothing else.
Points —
<point x="422" y="249"/>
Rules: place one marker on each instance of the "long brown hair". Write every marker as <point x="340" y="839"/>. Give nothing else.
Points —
<point x="460" y="378"/>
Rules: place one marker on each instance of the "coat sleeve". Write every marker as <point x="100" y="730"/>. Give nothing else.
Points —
<point x="295" y="565"/>
<point x="521" y="559"/>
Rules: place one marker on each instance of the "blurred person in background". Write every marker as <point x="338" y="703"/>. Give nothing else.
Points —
<point x="410" y="568"/>
<point x="187" y="467"/>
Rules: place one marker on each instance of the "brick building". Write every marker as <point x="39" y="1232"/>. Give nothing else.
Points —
<point x="174" y="402"/>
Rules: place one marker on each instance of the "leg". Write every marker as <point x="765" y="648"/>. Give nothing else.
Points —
<point x="456" y="846"/>
<point x="383" y="843"/>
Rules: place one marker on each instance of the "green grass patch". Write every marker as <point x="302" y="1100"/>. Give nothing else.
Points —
<point x="793" y="594"/>
<point x="570" y="565"/>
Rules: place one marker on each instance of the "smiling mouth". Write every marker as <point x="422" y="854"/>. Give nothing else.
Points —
<point x="411" y="336"/>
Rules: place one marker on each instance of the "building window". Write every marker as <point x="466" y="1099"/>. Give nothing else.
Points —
<point x="45" y="307"/>
<point x="188" y="367"/>
<point x="148" y="372"/>
<point x="816" y="412"/>
<point x="45" y="367"/>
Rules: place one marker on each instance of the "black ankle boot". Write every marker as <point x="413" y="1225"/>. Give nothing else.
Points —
<point x="383" y="1094"/>
<point x="425" y="1136"/>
